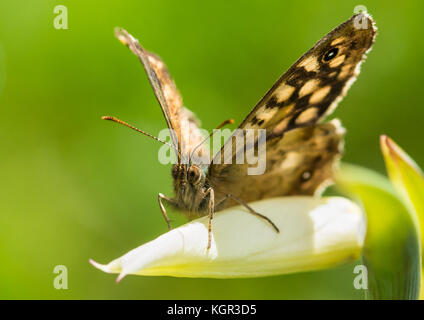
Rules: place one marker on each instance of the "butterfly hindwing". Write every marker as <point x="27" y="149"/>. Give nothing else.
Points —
<point x="301" y="163"/>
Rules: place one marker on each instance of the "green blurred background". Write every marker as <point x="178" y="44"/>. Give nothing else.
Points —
<point x="74" y="187"/>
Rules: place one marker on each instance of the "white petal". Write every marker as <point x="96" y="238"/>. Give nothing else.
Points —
<point x="314" y="233"/>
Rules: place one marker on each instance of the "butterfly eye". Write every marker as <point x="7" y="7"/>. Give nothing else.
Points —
<point x="193" y="174"/>
<point x="330" y="54"/>
<point x="175" y="172"/>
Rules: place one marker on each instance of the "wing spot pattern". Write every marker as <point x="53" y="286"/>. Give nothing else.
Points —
<point x="319" y="95"/>
<point x="307" y="116"/>
<point x="310" y="64"/>
<point x="309" y="87"/>
<point x="338" y="61"/>
<point x="284" y="93"/>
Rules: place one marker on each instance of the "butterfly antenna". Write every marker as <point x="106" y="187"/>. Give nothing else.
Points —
<point x="228" y="121"/>
<point x="114" y="119"/>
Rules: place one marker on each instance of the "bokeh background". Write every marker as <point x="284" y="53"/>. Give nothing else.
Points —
<point x="73" y="187"/>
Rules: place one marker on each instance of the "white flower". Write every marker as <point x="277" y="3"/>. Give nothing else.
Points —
<point x="314" y="233"/>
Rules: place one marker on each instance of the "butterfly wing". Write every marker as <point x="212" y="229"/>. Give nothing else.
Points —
<point x="290" y="112"/>
<point x="315" y="84"/>
<point x="183" y="124"/>
<point x="301" y="163"/>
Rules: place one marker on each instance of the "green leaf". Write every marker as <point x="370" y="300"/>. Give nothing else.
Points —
<point x="392" y="249"/>
<point x="408" y="180"/>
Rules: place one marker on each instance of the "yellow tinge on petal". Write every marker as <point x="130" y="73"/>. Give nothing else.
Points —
<point x="314" y="233"/>
<point x="408" y="179"/>
<point x="391" y="251"/>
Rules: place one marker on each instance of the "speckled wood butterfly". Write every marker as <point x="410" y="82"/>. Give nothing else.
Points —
<point x="301" y="150"/>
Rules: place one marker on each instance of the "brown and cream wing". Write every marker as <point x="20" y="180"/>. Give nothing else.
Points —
<point x="183" y="123"/>
<point x="301" y="163"/>
<point x="163" y="86"/>
<point x="315" y="84"/>
<point x="303" y="96"/>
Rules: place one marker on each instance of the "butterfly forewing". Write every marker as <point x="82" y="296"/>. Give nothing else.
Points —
<point x="313" y="85"/>
<point x="183" y="124"/>
<point x="300" y="152"/>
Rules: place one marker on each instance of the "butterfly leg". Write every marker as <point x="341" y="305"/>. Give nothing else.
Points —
<point x="162" y="208"/>
<point x="251" y="210"/>
<point x="211" y="194"/>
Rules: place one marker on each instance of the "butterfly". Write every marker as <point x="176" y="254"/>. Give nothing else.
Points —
<point x="301" y="149"/>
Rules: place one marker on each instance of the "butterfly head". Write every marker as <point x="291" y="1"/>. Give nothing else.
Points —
<point x="189" y="174"/>
<point x="188" y="178"/>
